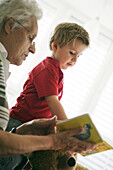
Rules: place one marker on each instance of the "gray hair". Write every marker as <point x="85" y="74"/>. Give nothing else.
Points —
<point x="20" y="10"/>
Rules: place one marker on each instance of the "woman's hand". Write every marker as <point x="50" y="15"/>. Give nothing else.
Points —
<point x="68" y="142"/>
<point x="38" y="127"/>
<point x="63" y="140"/>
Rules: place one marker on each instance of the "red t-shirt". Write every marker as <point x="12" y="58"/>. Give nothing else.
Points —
<point x="44" y="80"/>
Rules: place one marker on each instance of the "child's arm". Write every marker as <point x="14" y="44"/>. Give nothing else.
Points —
<point x="56" y="107"/>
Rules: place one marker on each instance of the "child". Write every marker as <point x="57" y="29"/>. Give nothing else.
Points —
<point x="44" y="87"/>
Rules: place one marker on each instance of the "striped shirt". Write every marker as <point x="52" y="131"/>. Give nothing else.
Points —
<point x="4" y="111"/>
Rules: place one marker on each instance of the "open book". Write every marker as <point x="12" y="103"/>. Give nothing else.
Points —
<point x="89" y="133"/>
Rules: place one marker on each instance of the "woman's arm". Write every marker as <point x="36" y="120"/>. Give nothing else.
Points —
<point x="21" y="142"/>
<point x="11" y="144"/>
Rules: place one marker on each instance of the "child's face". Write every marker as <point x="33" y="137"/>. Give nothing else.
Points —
<point x="67" y="55"/>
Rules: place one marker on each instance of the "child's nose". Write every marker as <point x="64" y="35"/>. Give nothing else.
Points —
<point x="74" y="59"/>
<point x="32" y="48"/>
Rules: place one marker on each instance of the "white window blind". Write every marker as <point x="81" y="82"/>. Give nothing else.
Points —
<point x="86" y="90"/>
<point x="103" y="113"/>
<point x="80" y="80"/>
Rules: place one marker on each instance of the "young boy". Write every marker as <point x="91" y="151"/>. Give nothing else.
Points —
<point x="44" y="87"/>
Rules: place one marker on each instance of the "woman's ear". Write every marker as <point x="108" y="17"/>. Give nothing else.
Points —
<point x="9" y="25"/>
<point x="54" y="46"/>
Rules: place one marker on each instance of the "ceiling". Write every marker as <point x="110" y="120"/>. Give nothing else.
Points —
<point x="101" y="9"/>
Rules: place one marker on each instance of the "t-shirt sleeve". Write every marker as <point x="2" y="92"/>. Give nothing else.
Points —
<point x="46" y="82"/>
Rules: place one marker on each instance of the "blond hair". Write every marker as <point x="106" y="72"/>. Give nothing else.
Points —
<point x="66" y="33"/>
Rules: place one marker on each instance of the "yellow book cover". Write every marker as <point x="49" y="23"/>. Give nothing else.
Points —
<point x="89" y="133"/>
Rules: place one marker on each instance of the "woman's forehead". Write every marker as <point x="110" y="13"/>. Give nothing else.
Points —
<point x="33" y="26"/>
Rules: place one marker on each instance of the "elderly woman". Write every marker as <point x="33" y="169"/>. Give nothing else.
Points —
<point x="18" y="28"/>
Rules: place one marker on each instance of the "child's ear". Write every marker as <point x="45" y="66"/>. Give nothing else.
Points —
<point x="9" y="25"/>
<point x="54" y="46"/>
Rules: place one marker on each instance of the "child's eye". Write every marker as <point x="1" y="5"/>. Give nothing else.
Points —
<point x="71" y="53"/>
